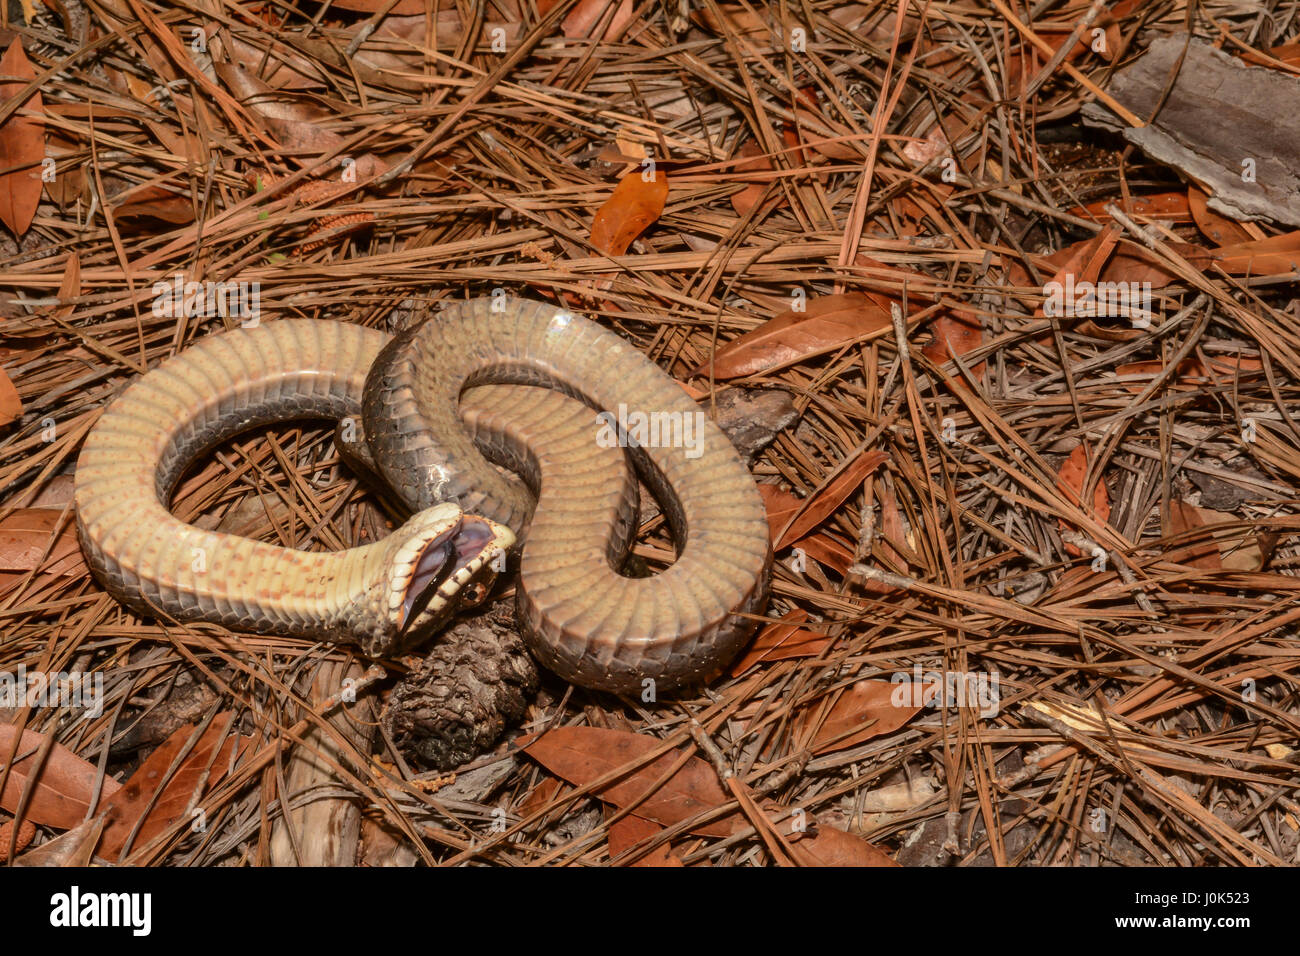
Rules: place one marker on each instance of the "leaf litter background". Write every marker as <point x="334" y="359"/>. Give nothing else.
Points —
<point x="957" y="461"/>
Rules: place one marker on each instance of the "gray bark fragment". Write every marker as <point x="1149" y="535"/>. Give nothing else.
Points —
<point x="1219" y="112"/>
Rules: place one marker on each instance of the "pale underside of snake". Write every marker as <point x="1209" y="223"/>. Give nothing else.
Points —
<point x="509" y="381"/>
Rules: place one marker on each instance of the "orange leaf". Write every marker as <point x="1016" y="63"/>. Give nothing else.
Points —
<point x="731" y="18"/>
<point x="540" y="796"/>
<point x="583" y="754"/>
<point x="781" y="505"/>
<point x="955" y="332"/>
<point x="881" y="705"/>
<point x="154" y="202"/>
<point x="1220" y="230"/>
<point x="1070" y="480"/>
<point x="11" y="406"/>
<point x="1185" y="517"/>
<point x="829" y="322"/>
<point x="833" y="847"/>
<point x="633" y="206"/>
<point x="781" y="640"/>
<point x="1272" y="256"/>
<point x="25" y="538"/>
<point x="744" y="200"/>
<point x="1192" y="375"/>
<point x="823" y="504"/>
<point x="65" y="786"/>
<point x="1082" y="261"/>
<point x="22" y="144"/>
<point x="579" y="21"/>
<point x="827" y="550"/>
<point x="631" y="830"/>
<point x="136" y="802"/>
<point x="403" y="8"/>
<point x="1166" y="207"/>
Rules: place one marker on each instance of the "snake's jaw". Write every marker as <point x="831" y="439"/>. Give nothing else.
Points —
<point x="443" y="560"/>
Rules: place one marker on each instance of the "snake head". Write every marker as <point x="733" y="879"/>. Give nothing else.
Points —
<point x="441" y="561"/>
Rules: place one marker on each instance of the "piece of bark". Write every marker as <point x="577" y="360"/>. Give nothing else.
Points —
<point x="752" y="417"/>
<point x="1219" y="114"/>
<point x="326" y="831"/>
<point x="187" y="701"/>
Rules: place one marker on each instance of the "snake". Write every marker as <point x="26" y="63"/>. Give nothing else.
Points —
<point x="492" y="423"/>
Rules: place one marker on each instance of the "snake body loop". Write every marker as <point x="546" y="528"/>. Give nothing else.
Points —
<point x="581" y="618"/>
<point x="380" y="596"/>
<point x="433" y="400"/>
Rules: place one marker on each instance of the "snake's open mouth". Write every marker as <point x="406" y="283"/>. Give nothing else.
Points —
<point x="447" y="564"/>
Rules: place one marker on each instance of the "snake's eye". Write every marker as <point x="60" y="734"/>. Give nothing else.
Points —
<point x="474" y="594"/>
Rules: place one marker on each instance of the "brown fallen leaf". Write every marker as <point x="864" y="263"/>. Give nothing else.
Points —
<point x="1232" y="549"/>
<point x="65" y="785"/>
<point x="631" y="830"/>
<point x="151" y="201"/>
<point x="781" y="506"/>
<point x="1081" y="263"/>
<point x="76" y="847"/>
<point x="732" y="18"/>
<point x="1276" y="255"/>
<point x="1192" y="373"/>
<point x="579" y="22"/>
<point x="838" y="146"/>
<point x="583" y="754"/>
<point x="294" y="121"/>
<point x="829" y="846"/>
<point x="541" y="795"/>
<point x="633" y="206"/>
<point x="828" y="550"/>
<point x="1184" y="517"/>
<point x="140" y="801"/>
<point x="757" y="162"/>
<point x="878" y="707"/>
<point x="25" y="539"/>
<point x="402" y="8"/>
<point x="781" y="640"/>
<point x="1070" y="481"/>
<point x="956" y="332"/>
<point x="22" y="144"/>
<point x="1173" y="206"/>
<point x="69" y="181"/>
<point x="827" y="323"/>
<point x="11" y="405"/>
<point x="826" y="502"/>
<point x="1220" y="230"/>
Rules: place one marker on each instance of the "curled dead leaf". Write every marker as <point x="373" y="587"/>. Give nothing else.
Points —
<point x="584" y="754"/>
<point x="22" y="143"/>
<point x="1070" y="481"/>
<point x="824" y="324"/>
<point x="867" y="709"/>
<point x="64" y="783"/>
<point x="635" y="204"/>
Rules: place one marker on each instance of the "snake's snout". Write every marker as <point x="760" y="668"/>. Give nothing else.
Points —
<point x="447" y="562"/>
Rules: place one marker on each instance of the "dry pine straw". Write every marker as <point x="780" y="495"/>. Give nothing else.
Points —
<point x="1121" y="689"/>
